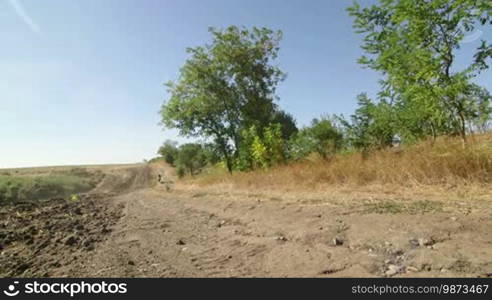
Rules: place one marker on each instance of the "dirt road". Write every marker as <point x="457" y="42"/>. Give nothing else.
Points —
<point x="192" y="233"/>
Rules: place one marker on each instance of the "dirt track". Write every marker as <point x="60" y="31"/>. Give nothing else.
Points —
<point x="198" y="234"/>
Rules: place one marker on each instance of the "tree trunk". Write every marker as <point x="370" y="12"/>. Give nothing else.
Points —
<point x="228" y="163"/>
<point x="434" y="134"/>
<point x="463" y="129"/>
<point x="227" y="157"/>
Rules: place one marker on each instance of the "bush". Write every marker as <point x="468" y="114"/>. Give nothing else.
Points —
<point x="169" y="151"/>
<point x="261" y="149"/>
<point x="321" y="137"/>
<point x="180" y="171"/>
<point x="191" y="158"/>
<point x="442" y="165"/>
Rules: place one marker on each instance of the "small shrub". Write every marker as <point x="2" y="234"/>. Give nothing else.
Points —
<point x="180" y="171"/>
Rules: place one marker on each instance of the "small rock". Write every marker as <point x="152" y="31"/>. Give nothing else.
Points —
<point x="87" y="242"/>
<point x="281" y="238"/>
<point x="222" y="223"/>
<point x="131" y="263"/>
<point x="23" y="266"/>
<point x="397" y="252"/>
<point x="392" y="270"/>
<point x="338" y="241"/>
<point x="71" y="240"/>
<point x="412" y="269"/>
<point x="56" y="264"/>
<point x="423" y="242"/>
<point x="180" y="242"/>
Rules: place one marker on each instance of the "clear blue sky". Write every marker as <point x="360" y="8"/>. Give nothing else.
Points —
<point x="82" y="81"/>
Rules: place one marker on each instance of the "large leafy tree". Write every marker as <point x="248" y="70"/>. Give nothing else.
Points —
<point x="414" y="45"/>
<point x="225" y="87"/>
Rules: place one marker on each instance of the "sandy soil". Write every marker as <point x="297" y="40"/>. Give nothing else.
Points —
<point x="153" y="232"/>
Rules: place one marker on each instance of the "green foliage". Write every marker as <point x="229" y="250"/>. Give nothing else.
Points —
<point x="191" y="158"/>
<point x="180" y="171"/>
<point x="321" y="137"/>
<point x="211" y="153"/>
<point x="287" y="123"/>
<point x="328" y="140"/>
<point x="169" y="151"/>
<point x="372" y="125"/>
<point x="479" y="110"/>
<point x="414" y="44"/>
<point x="226" y="86"/>
<point x="226" y="91"/>
<point x="261" y="149"/>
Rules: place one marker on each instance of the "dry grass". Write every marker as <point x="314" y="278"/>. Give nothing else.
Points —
<point x="443" y="166"/>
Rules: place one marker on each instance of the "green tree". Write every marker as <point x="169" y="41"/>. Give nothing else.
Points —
<point x="414" y="45"/>
<point x="191" y="158"/>
<point x="262" y="149"/>
<point x="321" y="137"/>
<point x="287" y="123"/>
<point x="212" y="154"/>
<point x="480" y="109"/>
<point x="169" y="151"/>
<point x="225" y="87"/>
<point x="372" y="124"/>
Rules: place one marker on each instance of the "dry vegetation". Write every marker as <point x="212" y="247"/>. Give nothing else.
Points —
<point x="444" y="166"/>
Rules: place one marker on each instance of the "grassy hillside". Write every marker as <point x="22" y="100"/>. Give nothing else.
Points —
<point x="18" y="186"/>
<point x="445" y="164"/>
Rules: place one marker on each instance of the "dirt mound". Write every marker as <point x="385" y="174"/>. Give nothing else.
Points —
<point x="119" y="181"/>
<point x="37" y="238"/>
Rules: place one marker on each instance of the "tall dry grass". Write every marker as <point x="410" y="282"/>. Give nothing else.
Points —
<point x="445" y="164"/>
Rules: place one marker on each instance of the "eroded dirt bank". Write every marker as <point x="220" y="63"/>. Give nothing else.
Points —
<point x="151" y="232"/>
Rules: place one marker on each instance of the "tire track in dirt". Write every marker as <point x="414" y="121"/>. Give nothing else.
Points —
<point x="189" y="234"/>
